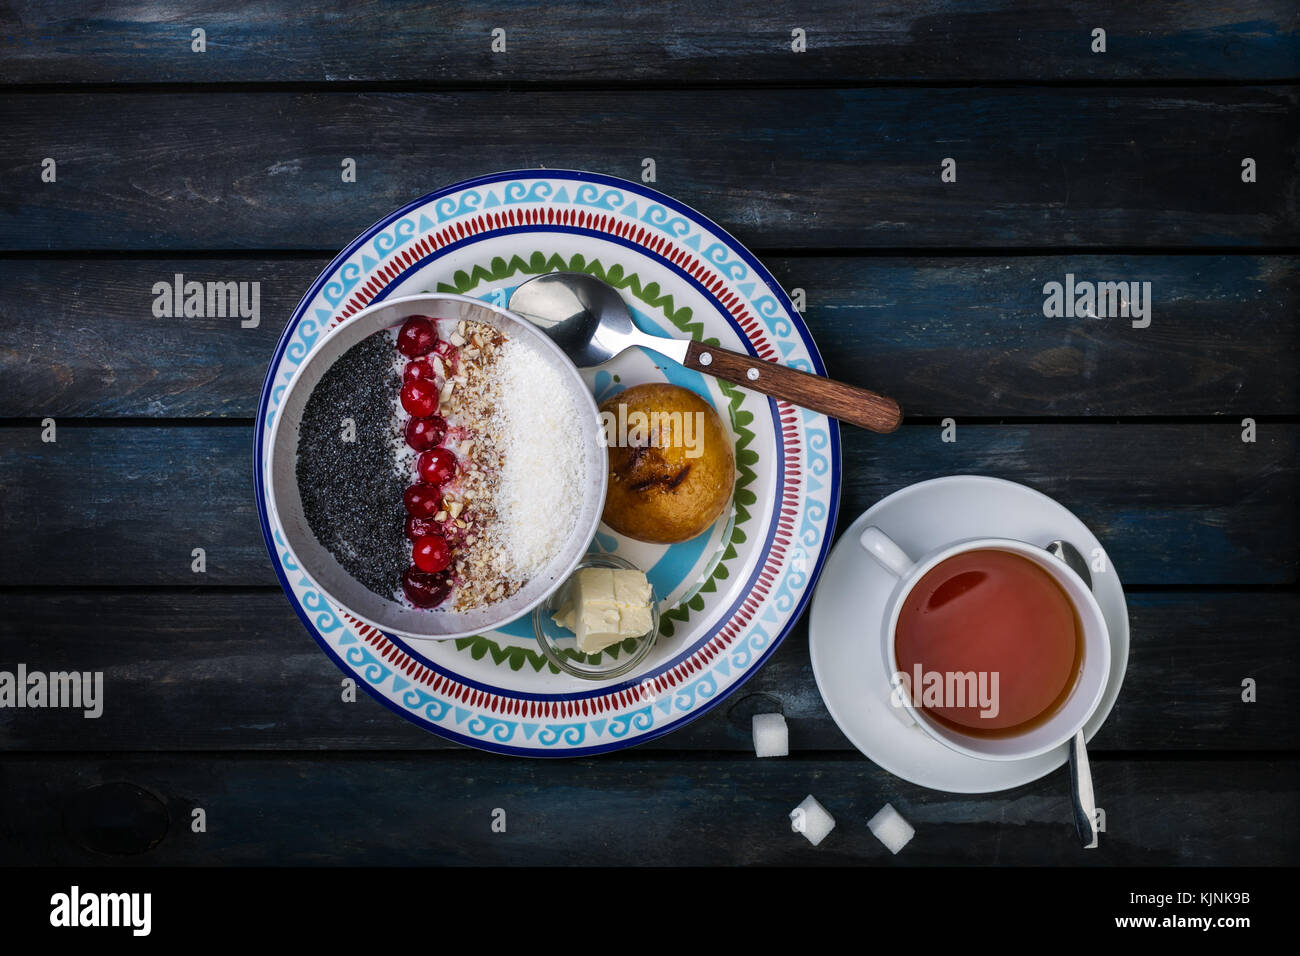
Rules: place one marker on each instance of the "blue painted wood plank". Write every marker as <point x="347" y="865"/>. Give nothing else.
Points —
<point x="957" y="336"/>
<point x="673" y="42"/>
<point x="207" y="669"/>
<point x="1172" y="504"/>
<point x="812" y="168"/>
<point x="629" y="810"/>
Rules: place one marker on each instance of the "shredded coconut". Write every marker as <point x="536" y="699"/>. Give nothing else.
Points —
<point x="540" y="489"/>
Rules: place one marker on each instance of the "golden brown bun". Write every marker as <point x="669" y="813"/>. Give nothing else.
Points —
<point x="675" y="490"/>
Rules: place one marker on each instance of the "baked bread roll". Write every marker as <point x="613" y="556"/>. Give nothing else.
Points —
<point x="671" y="464"/>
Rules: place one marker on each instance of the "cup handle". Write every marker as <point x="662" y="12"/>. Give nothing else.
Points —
<point x="894" y="560"/>
<point x="887" y="554"/>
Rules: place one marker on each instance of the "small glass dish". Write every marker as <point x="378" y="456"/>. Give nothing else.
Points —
<point x="559" y="643"/>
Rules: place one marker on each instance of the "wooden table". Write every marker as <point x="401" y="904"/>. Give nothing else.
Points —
<point x="1123" y="165"/>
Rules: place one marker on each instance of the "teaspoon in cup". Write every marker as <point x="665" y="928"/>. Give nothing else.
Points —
<point x="1083" y="798"/>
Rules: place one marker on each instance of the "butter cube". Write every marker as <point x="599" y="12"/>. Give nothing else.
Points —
<point x="564" y="614"/>
<point x="603" y="606"/>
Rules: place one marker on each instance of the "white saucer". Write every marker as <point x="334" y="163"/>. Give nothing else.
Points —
<point x="848" y="611"/>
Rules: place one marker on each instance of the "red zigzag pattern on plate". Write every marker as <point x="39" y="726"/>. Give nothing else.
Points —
<point x="437" y="682"/>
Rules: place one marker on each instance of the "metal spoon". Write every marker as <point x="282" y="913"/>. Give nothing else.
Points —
<point x="590" y="321"/>
<point x="1085" y="804"/>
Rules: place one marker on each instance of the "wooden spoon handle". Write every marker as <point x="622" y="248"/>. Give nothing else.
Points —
<point x="845" y="402"/>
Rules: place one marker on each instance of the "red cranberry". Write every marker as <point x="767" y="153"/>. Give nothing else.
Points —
<point x="431" y="553"/>
<point x="424" y="589"/>
<point x="417" y="337"/>
<point x="417" y="528"/>
<point x="424" y="433"/>
<point x="419" y="398"/>
<point x="418" y="370"/>
<point x="436" y="466"/>
<point x="422" y="501"/>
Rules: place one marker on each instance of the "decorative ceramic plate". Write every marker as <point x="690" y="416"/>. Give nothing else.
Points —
<point x="728" y="597"/>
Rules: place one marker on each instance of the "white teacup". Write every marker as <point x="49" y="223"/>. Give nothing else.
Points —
<point x="1088" y="686"/>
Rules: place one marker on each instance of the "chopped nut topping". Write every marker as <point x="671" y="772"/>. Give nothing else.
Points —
<point x="469" y="397"/>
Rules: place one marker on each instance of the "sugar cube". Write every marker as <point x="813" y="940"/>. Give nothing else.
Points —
<point x="771" y="736"/>
<point x="890" y="828"/>
<point x="811" y="819"/>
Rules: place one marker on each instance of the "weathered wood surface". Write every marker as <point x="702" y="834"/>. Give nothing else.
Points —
<point x="226" y="165"/>
<point x="801" y="168"/>
<point x="676" y="42"/>
<point x="220" y="670"/>
<point x="959" y="336"/>
<point x="628" y="809"/>
<point x="1173" y="504"/>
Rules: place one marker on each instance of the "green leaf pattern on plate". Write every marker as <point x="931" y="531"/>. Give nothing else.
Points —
<point x="499" y="270"/>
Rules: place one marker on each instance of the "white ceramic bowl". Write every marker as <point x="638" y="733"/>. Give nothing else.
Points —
<point x="285" y="503"/>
